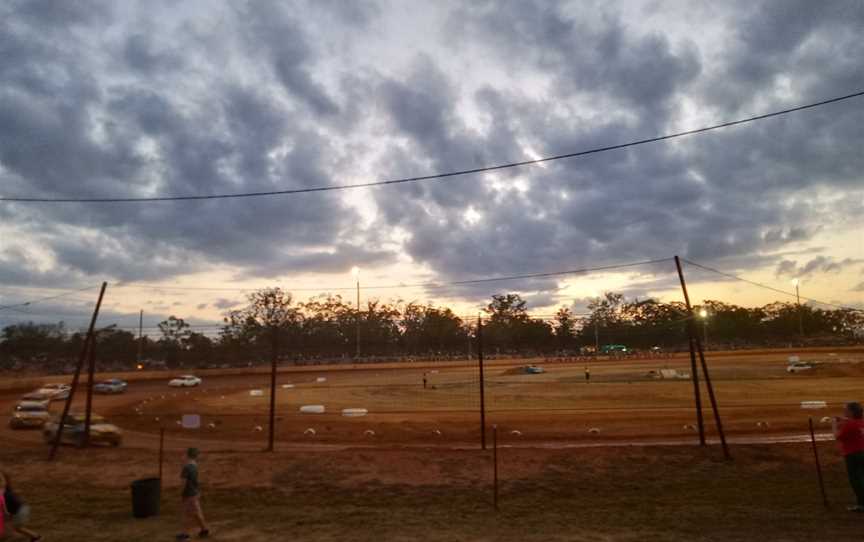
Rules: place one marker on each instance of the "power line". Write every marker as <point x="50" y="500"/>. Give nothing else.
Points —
<point x="430" y="285"/>
<point x="41" y="299"/>
<point x="435" y="176"/>
<point x="767" y="287"/>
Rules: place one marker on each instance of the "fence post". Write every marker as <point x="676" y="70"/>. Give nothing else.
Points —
<point x="161" y="450"/>
<point x="818" y="465"/>
<point x="495" y="462"/>
<point x="273" y="363"/>
<point x="91" y="374"/>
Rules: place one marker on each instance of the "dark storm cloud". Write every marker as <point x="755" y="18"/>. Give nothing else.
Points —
<point x="273" y="30"/>
<point x="269" y="95"/>
<point x="722" y="197"/>
<point x="146" y="126"/>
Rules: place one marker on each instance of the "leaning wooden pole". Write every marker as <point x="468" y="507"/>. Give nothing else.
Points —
<point x="705" y="373"/>
<point x="482" y="383"/>
<point x="717" y="420"/>
<point x="81" y="357"/>
<point x="694" y="372"/>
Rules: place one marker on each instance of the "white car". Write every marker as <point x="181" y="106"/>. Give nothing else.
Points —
<point x="57" y="392"/>
<point x="185" y="381"/>
<point x="798" y="367"/>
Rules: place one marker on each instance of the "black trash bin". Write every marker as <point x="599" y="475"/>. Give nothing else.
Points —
<point x="145" y="497"/>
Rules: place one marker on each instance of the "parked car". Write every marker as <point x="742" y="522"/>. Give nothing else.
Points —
<point x="57" y="392"/>
<point x="114" y="385"/>
<point x="613" y="349"/>
<point x="101" y="432"/>
<point x="185" y="381"/>
<point x="798" y="367"/>
<point x="30" y="414"/>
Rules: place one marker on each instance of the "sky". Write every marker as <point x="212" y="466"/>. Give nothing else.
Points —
<point x="161" y="97"/>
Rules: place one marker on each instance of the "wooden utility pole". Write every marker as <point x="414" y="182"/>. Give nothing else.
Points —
<point x="482" y="382"/>
<point x="140" y="355"/>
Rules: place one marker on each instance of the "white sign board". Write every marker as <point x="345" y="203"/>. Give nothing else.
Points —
<point x="191" y="421"/>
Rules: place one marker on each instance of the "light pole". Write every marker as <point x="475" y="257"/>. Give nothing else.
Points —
<point x="355" y="271"/>
<point x="704" y="315"/>
<point x="797" y="284"/>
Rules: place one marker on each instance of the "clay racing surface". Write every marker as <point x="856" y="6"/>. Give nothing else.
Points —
<point x="625" y="401"/>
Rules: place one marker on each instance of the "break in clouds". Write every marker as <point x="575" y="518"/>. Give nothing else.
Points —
<point x="103" y="99"/>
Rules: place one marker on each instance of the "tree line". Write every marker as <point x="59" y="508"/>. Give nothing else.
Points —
<point x="325" y="327"/>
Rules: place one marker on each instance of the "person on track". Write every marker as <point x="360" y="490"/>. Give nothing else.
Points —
<point x="849" y="432"/>
<point x="17" y="509"/>
<point x="192" y="513"/>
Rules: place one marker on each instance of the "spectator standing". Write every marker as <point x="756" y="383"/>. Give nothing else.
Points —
<point x="192" y="513"/>
<point x="849" y="432"/>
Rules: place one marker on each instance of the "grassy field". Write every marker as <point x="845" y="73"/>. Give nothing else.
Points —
<point x="673" y="494"/>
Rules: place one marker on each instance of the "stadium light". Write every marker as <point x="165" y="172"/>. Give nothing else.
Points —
<point x="703" y="313"/>
<point x="797" y="282"/>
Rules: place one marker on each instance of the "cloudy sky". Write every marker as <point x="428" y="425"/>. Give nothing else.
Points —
<point x="161" y="97"/>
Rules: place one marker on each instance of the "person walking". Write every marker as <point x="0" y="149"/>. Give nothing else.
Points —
<point x="192" y="513"/>
<point x="849" y="432"/>
<point x="17" y="509"/>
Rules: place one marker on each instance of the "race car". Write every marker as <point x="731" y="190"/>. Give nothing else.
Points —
<point x="37" y="396"/>
<point x="533" y="369"/>
<point x="58" y="392"/>
<point x="101" y="432"/>
<point x="185" y="381"/>
<point x="29" y="414"/>
<point x="114" y="385"/>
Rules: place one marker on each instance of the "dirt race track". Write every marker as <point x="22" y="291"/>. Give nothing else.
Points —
<point x="621" y="403"/>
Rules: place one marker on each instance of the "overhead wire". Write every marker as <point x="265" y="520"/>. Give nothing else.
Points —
<point x="434" y="176"/>
<point x="767" y="287"/>
<point x="430" y="285"/>
<point x="47" y="298"/>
